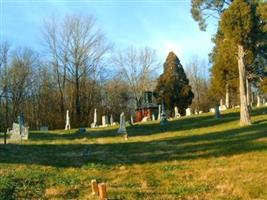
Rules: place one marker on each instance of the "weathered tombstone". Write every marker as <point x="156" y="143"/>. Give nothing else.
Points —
<point x="19" y="131"/>
<point x="217" y="112"/>
<point x="222" y="107"/>
<point x="44" y="128"/>
<point x="122" y="129"/>
<point x="67" y="126"/>
<point x="15" y="133"/>
<point x="212" y="110"/>
<point x="111" y="120"/>
<point x="82" y="130"/>
<point x="163" y="119"/>
<point x="107" y="121"/>
<point x="104" y="122"/>
<point x="145" y="119"/>
<point x="188" y="112"/>
<point x="25" y="133"/>
<point x="94" y="124"/>
<point x="132" y="121"/>
<point x="176" y="113"/>
<point x="159" y="112"/>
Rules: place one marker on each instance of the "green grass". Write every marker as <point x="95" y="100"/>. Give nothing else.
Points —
<point x="198" y="157"/>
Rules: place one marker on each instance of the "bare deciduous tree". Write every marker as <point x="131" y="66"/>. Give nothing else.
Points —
<point x="137" y="67"/>
<point x="77" y="49"/>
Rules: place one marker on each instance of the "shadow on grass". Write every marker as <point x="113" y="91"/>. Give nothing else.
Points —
<point x="214" y="144"/>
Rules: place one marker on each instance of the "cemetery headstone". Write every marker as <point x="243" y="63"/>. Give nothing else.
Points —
<point x="104" y="122"/>
<point x="44" y="128"/>
<point x="82" y="130"/>
<point x="153" y="117"/>
<point x="122" y="129"/>
<point x="94" y="124"/>
<point x="217" y="112"/>
<point x="111" y="120"/>
<point x="19" y="132"/>
<point x="176" y="113"/>
<point x="163" y="119"/>
<point x="145" y="119"/>
<point x="67" y="126"/>
<point x="188" y="111"/>
<point x="132" y="121"/>
<point x="212" y="110"/>
<point x="159" y="112"/>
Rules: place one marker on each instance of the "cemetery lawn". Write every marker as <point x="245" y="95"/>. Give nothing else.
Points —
<point x="198" y="157"/>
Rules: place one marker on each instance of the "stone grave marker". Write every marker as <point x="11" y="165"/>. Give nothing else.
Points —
<point x="67" y="126"/>
<point x="122" y="129"/>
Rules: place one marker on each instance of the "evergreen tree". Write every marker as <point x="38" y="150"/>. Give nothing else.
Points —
<point x="173" y="87"/>
<point x="243" y="22"/>
<point x="224" y="71"/>
<point x="239" y="25"/>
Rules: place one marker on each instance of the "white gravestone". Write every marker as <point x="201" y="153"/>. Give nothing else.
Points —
<point x="104" y="121"/>
<point x="176" y="113"/>
<point x="94" y="124"/>
<point x="19" y="132"/>
<point x="188" y="112"/>
<point x="132" y="120"/>
<point x="222" y="107"/>
<point x="111" y="120"/>
<point x="212" y="110"/>
<point x="67" y="126"/>
<point x="153" y="117"/>
<point x="159" y="112"/>
<point x="122" y="128"/>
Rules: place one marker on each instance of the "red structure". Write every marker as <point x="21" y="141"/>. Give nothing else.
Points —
<point x="146" y="107"/>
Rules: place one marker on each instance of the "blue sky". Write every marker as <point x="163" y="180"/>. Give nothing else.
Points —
<point x="162" y="25"/>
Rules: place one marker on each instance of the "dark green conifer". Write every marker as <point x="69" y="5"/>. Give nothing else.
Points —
<point x="173" y="87"/>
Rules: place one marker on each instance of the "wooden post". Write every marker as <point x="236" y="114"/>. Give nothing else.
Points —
<point x="94" y="187"/>
<point x="102" y="191"/>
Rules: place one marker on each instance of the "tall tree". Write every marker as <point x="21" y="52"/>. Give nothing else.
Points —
<point x="242" y="24"/>
<point x="77" y="48"/>
<point x="239" y="24"/>
<point x="224" y="73"/>
<point x="173" y="86"/>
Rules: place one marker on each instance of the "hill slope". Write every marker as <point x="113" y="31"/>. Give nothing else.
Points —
<point x="199" y="157"/>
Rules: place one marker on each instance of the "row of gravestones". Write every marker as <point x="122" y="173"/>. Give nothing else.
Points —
<point x="106" y="121"/>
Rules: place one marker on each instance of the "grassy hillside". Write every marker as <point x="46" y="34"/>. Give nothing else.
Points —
<point x="199" y="157"/>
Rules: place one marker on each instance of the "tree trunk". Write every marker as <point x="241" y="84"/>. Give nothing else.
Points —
<point x="227" y="96"/>
<point x="244" y="112"/>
